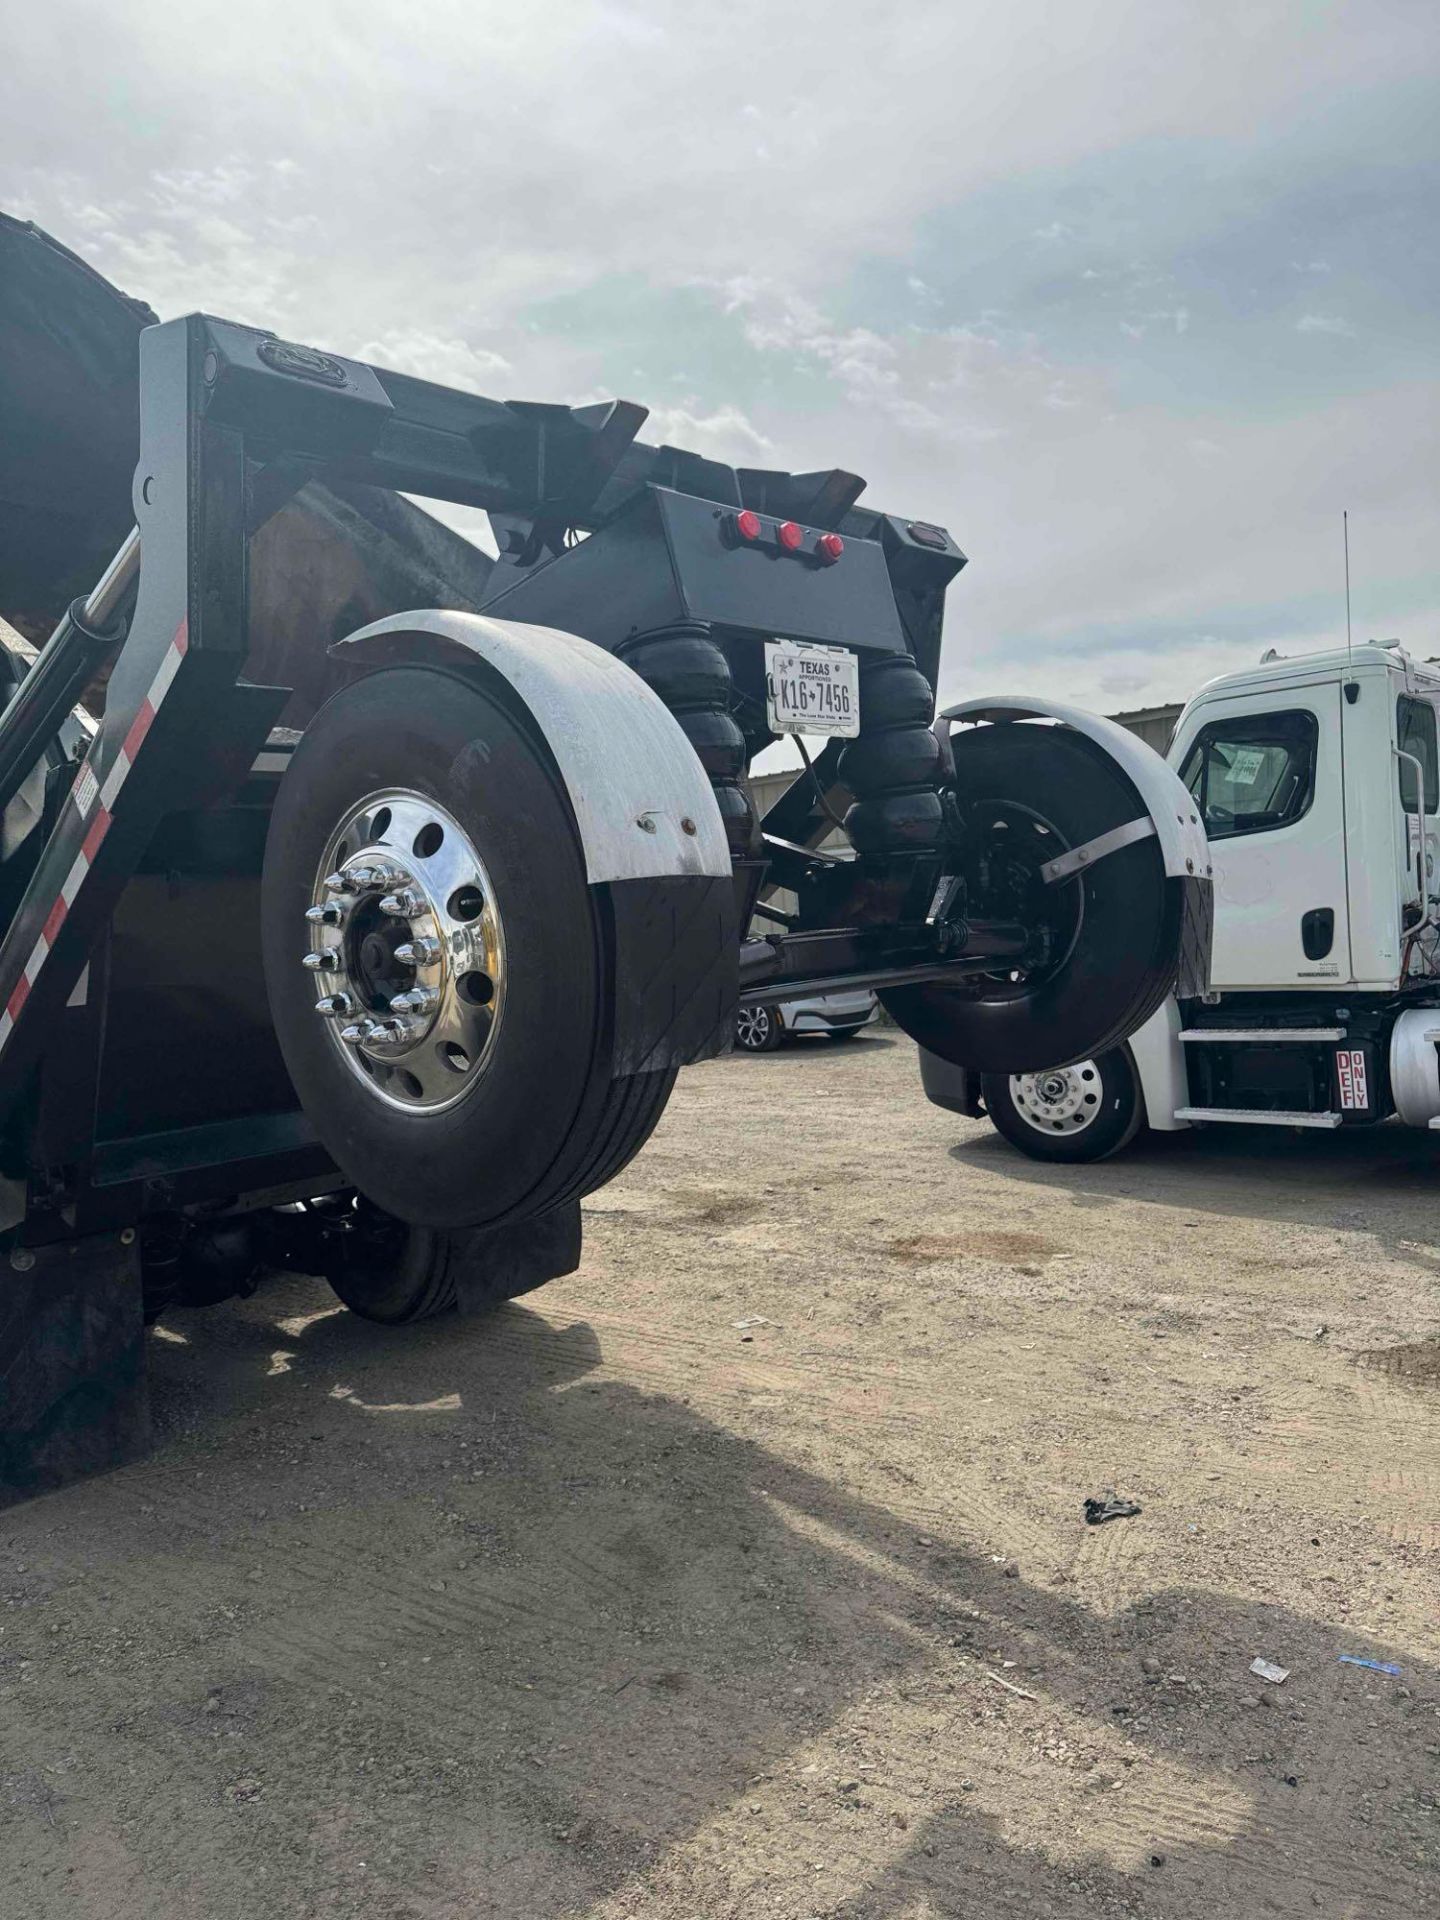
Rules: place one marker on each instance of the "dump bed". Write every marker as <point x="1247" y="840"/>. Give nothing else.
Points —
<point x="333" y="558"/>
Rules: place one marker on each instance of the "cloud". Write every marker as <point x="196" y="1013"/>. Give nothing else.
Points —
<point x="431" y="356"/>
<point x="1038" y="272"/>
<point x="722" y="434"/>
<point x="1325" y="323"/>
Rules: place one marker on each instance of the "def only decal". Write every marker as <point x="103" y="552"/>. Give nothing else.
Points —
<point x="1351" y="1080"/>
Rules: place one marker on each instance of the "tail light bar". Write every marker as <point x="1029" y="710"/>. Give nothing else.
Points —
<point x="747" y="529"/>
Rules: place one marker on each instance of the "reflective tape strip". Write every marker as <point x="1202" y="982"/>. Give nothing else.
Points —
<point x="89" y="794"/>
<point x="94" y="834"/>
<point x="52" y="924"/>
<point x="115" y="779"/>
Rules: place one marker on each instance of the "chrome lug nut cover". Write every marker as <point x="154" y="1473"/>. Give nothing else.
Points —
<point x="417" y="1000"/>
<point x="1060" y="1100"/>
<point x="403" y="890"/>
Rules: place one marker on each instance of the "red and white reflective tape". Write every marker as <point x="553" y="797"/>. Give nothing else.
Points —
<point x="94" y="802"/>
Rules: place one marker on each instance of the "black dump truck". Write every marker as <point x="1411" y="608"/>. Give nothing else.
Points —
<point x="361" y="895"/>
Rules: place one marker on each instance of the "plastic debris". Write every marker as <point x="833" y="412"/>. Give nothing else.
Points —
<point x="751" y="1320"/>
<point x="1375" y="1666"/>
<point x="1109" y="1506"/>
<point x="1267" y="1670"/>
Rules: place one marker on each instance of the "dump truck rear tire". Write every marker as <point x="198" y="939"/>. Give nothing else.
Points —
<point x="1026" y="793"/>
<point x="423" y="860"/>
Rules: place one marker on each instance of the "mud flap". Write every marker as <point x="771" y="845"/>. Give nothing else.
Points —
<point x="505" y="1262"/>
<point x="675" y="955"/>
<point x="1197" y="934"/>
<point x="74" y="1399"/>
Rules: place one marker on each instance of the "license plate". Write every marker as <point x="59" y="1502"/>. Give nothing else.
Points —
<point x="811" y="689"/>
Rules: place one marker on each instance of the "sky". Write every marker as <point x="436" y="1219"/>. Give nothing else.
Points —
<point x="1134" y="298"/>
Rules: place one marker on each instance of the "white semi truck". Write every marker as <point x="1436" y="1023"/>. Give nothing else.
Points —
<point x="1318" y="781"/>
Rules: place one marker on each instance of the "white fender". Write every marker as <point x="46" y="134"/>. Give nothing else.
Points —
<point x="1415" y="1066"/>
<point x="1159" y="1056"/>
<point x="632" y="777"/>
<point x="1172" y="811"/>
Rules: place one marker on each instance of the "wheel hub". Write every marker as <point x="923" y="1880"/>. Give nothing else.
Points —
<point x="1059" y="1100"/>
<point x="407" y="950"/>
<point x="752" y="1026"/>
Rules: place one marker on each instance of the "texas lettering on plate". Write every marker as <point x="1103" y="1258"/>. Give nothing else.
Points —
<point x="811" y="689"/>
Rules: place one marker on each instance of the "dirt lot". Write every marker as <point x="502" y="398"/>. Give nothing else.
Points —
<point x="612" y="1606"/>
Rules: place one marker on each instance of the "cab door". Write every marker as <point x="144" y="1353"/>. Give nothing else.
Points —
<point x="1265" y="771"/>
<point x="1414" y="802"/>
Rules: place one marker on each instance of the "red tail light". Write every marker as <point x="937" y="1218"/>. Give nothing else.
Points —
<point x="789" y="535"/>
<point x="829" y="548"/>
<point x="747" y="525"/>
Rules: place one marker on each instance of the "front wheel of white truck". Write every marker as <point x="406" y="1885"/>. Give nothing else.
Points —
<point x="1071" y="1114"/>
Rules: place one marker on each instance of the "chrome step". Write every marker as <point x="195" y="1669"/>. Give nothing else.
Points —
<point x="1263" y="1033"/>
<point x="1251" y="1116"/>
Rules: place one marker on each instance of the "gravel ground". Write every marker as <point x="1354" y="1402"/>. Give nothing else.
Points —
<point x="744" y="1572"/>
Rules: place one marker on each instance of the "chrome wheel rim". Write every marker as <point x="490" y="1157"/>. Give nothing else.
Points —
<point x="407" y="951"/>
<point x="752" y="1026"/>
<point x="1059" y="1100"/>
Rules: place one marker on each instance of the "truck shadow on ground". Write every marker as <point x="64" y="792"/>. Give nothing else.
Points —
<point x="1383" y="1180"/>
<point x="522" y="1640"/>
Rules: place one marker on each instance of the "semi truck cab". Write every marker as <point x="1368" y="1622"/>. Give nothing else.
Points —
<point x="1318" y="782"/>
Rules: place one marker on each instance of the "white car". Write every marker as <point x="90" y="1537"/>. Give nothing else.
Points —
<point x="841" y="1015"/>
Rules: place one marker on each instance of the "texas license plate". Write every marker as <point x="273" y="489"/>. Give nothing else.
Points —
<point x="811" y="689"/>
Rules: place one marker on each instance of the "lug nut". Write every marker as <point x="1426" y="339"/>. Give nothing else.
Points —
<point x="419" y="952"/>
<point x="361" y="1031"/>
<point x="339" y="883"/>
<point x="335" y="1003"/>
<point x="417" y="1000"/>
<point x="403" y="905"/>
<point x="330" y="915"/>
<point x="326" y="961"/>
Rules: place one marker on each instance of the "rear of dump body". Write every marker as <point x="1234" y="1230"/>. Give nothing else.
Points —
<point x="267" y="484"/>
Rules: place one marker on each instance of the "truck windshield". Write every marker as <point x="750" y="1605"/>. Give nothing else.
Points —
<point x="1252" y="773"/>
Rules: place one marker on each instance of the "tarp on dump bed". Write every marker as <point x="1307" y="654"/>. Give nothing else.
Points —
<point x="333" y="559"/>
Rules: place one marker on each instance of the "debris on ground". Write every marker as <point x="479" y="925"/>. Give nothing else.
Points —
<point x="1267" y="1670"/>
<point x="1108" y="1505"/>
<point x="1008" y="1685"/>
<point x="1375" y="1666"/>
